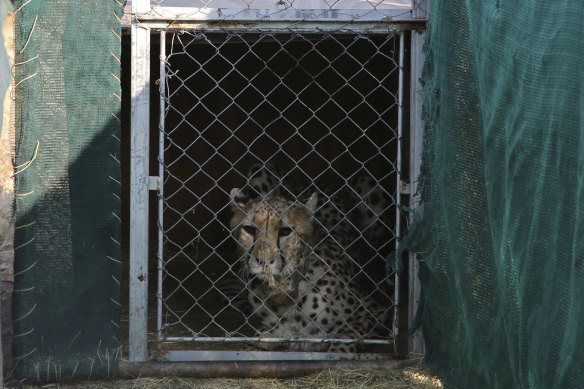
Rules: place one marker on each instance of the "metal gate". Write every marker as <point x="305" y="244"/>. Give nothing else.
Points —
<point x="317" y="107"/>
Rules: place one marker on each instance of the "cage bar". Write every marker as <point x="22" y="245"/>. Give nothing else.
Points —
<point x="194" y="355"/>
<point x="211" y="339"/>
<point x="139" y="182"/>
<point x="160" y="248"/>
<point x="398" y="177"/>
<point x="416" y="345"/>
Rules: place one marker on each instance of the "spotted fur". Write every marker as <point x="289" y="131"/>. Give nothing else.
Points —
<point x="302" y="273"/>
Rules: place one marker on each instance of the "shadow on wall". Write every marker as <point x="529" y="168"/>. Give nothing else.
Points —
<point x="67" y="264"/>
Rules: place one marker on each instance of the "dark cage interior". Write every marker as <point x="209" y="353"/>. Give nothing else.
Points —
<point x="320" y="112"/>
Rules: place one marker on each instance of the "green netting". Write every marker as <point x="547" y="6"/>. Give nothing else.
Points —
<point x="67" y="269"/>
<point x="501" y="237"/>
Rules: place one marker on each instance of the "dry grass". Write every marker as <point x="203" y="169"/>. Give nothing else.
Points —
<point x="409" y="378"/>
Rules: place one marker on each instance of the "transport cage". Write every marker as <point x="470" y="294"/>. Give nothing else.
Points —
<point x="314" y="101"/>
<point x="316" y="110"/>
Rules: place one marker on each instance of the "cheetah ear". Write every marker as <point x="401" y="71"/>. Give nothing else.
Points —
<point x="312" y="202"/>
<point x="238" y="199"/>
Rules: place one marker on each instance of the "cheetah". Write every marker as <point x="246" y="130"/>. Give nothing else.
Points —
<point x="302" y="274"/>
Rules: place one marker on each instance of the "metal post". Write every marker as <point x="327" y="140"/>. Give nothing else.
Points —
<point x="416" y="136"/>
<point x="161" y="127"/>
<point x="139" y="177"/>
<point x="400" y="114"/>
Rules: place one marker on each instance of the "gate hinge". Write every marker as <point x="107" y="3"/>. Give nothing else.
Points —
<point x="153" y="183"/>
<point x="404" y="187"/>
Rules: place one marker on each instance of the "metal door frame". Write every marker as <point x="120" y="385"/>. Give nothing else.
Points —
<point x="142" y="21"/>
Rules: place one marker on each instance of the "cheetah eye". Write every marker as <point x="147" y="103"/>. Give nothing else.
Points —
<point x="249" y="229"/>
<point x="285" y="231"/>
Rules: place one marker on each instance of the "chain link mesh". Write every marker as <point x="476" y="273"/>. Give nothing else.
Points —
<point x="323" y="108"/>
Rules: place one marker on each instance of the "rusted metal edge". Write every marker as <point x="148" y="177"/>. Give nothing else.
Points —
<point x="249" y="369"/>
<point x="296" y="26"/>
<point x="217" y="27"/>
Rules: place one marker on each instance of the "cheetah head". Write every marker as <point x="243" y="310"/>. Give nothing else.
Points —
<point x="274" y="234"/>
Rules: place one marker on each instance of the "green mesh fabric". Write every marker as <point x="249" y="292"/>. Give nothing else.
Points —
<point x="67" y="183"/>
<point x="501" y="236"/>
